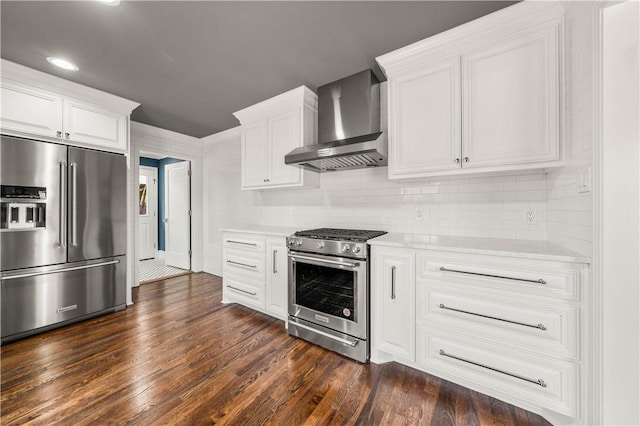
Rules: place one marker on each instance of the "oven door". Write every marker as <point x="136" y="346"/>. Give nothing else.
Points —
<point x="329" y="291"/>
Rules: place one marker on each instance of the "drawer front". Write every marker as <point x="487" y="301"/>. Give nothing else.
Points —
<point x="524" y="276"/>
<point x="550" y="329"/>
<point x="244" y="264"/>
<point x="247" y="242"/>
<point x="499" y="372"/>
<point x="248" y="293"/>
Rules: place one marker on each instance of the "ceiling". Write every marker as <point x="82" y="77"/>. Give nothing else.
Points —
<point x="192" y="64"/>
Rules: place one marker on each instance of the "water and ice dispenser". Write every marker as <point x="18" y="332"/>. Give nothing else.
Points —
<point x="22" y="207"/>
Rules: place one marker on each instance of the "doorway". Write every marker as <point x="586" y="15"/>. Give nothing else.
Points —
<point x="165" y="237"/>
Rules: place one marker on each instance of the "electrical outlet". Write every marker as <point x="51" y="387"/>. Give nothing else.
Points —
<point x="418" y="213"/>
<point x="530" y="216"/>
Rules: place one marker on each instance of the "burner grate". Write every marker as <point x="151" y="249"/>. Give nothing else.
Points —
<point x="359" y="235"/>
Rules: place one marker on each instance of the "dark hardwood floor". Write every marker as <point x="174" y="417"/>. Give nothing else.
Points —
<point x="179" y="356"/>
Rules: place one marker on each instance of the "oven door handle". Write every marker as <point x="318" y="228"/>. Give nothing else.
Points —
<point x="325" y="261"/>
<point x="330" y="336"/>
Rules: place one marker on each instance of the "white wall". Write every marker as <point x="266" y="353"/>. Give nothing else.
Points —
<point x="569" y="213"/>
<point x="620" y="214"/>
<point x="151" y="139"/>
<point x="491" y="206"/>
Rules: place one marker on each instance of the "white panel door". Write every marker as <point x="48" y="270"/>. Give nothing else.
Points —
<point x="511" y="101"/>
<point x="284" y="137"/>
<point x="425" y="108"/>
<point x="147" y="212"/>
<point x="88" y="124"/>
<point x="34" y="112"/>
<point x="177" y="221"/>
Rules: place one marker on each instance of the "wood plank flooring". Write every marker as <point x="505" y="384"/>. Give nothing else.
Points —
<point x="179" y="356"/>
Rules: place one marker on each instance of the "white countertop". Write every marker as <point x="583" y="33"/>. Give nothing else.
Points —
<point x="493" y="246"/>
<point x="278" y="231"/>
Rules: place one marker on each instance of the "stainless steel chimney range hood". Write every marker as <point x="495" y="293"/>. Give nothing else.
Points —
<point x="349" y="135"/>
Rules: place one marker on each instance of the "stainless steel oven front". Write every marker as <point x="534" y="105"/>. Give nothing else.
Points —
<point x="328" y="302"/>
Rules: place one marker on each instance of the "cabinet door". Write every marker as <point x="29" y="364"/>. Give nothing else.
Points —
<point x="424" y="111"/>
<point x="276" y="290"/>
<point x="87" y="124"/>
<point x="393" y="286"/>
<point x="254" y="141"/>
<point x="284" y="136"/>
<point x="29" y="111"/>
<point x="510" y="101"/>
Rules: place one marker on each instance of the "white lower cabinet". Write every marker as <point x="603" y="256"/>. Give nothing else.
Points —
<point x="277" y="274"/>
<point x="393" y="292"/>
<point x="508" y="327"/>
<point x="255" y="272"/>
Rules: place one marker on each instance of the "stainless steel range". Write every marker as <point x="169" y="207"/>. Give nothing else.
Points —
<point x="329" y="289"/>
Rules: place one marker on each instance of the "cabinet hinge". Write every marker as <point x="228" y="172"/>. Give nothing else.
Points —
<point x="189" y="253"/>
<point x="189" y="212"/>
<point x="189" y="172"/>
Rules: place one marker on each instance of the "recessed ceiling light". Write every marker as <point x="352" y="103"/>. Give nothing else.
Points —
<point x="110" y="2"/>
<point x="62" y="63"/>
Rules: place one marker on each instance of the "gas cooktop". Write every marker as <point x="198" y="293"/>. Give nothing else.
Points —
<point x="357" y="235"/>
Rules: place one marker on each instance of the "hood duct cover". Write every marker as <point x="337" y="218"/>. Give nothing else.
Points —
<point x="349" y="135"/>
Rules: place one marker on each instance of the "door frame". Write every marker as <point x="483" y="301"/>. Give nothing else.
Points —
<point x="154" y="171"/>
<point x="154" y="141"/>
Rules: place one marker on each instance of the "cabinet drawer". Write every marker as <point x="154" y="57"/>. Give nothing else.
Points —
<point x="500" y="372"/>
<point x="247" y="242"/>
<point x="244" y="264"/>
<point x="529" y="325"/>
<point x="524" y="276"/>
<point x="244" y="292"/>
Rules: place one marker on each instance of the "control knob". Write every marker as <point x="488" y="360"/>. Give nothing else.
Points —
<point x="356" y="249"/>
<point x="320" y="245"/>
<point x="345" y="248"/>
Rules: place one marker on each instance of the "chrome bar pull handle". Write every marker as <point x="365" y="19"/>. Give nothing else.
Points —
<point x="74" y="203"/>
<point x="242" y="242"/>
<point x="538" y="382"/>
<point x="540" y="281"/>
<point x="275" y="261"/>
<point x="242" y="264"/>
<point x="241" y="290"/>
<point x="393" y="282"/>
<point x="62" y="228"/>
<point x="351" y="343"/>
<point x="538" y="326"/>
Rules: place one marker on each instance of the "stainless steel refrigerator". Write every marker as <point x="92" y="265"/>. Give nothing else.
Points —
<point x="62" y="235"/>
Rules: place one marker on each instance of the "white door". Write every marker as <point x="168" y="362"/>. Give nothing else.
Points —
<point x="177" y="220"/>
<point x="284" y="135"/>
<point x="254" y="141"/>
<point x="147" y="211"/>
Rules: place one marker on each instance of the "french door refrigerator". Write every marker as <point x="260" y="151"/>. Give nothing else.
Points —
<point x="62" y="235"/>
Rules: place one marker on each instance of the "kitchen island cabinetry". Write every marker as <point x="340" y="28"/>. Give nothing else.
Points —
<point x="255" y="272"/>
<point x="494" y="105"/>
<point x="269" y="131"/>
<point x="36" y="105"/>
<point x="507" y="324"/>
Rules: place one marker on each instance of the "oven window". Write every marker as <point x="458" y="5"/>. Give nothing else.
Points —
<point x="326" y="290"/>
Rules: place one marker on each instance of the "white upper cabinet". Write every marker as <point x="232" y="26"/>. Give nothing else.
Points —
<point x="40" y="106"/>
<point x="511" y="101"/>
<point x="88" y="124"/>
<point x="270" y="130"/>
<point x="484" y="96"/>
<point x="30" y="111"/>
<point x="426" y="114"/>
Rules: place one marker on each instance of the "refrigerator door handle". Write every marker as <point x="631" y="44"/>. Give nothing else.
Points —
<point x="56" y="271"/>
<point x="74" y="203"/>
<point x="62" y="233"/>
